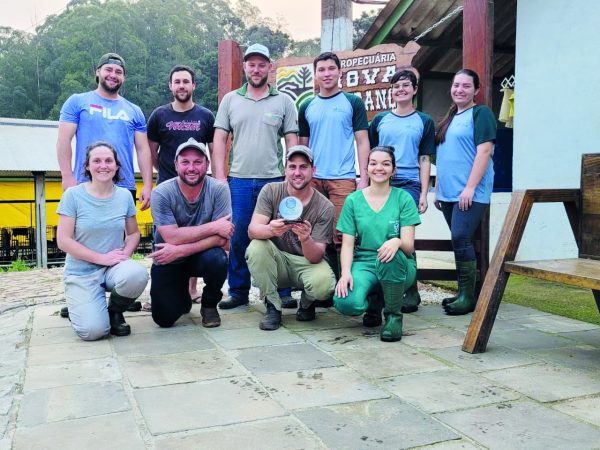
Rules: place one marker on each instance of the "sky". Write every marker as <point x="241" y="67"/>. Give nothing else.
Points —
<point x="25" y="14"/>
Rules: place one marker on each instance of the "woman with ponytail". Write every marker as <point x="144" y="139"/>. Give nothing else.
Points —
<point x="465" y="177"/>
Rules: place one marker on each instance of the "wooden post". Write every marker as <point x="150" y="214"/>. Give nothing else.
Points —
<point x="41" y="245"/>
<point x="336" y="25"/>
<point x="230" y="67"/>
<point x="478" y="44"/>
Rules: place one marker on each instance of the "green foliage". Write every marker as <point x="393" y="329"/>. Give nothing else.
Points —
<point x="137" y="256"/>
<point x="361" y="25"/>
<point x="18" y="266"/>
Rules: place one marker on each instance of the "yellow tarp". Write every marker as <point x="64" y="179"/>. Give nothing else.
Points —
<point x="23" y="214"/>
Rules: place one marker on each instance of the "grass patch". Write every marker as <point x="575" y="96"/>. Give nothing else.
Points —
<point x="555" y="298"/>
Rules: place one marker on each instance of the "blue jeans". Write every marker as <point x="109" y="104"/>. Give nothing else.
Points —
<point x="463" y="225"/>
<point x="244" y="193"/>
<point x="410" y="186"/>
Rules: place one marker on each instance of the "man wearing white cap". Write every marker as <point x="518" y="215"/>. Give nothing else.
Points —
<point x="257" y="116"/>
<point x="192" y="215"/>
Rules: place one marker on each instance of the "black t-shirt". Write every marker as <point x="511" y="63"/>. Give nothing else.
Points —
<point x="170" y="128"/>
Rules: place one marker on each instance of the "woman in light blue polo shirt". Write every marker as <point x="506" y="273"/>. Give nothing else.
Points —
<point x="465" y="177"/>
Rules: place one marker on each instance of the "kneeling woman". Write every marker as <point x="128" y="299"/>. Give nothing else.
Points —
<point x="98" y="230"/>
<point x="378" y="226"/>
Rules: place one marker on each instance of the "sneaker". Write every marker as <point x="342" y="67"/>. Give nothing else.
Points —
<point x="306" y="314"/>
<point x="210" y="317"/>
<point x="289" y="302"/>
<point x="272" y="318"/>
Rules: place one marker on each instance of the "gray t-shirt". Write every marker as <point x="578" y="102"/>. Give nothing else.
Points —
<point x="99" y="223"/>
<point x="257" y="127"/>
<point x="170" y="207"/>
<point x="319" y="212"/>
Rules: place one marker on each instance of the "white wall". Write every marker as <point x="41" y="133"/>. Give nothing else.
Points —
<point x="557" y="110"/>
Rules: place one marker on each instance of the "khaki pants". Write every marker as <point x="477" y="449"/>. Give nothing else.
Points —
<point x="336" y="191"/>
<point x="272" y="269"/>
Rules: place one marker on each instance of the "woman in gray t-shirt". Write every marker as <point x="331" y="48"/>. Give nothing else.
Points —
<point x="98" y="230"/>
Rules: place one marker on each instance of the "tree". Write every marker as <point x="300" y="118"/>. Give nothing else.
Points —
<point x="361" y="25"/>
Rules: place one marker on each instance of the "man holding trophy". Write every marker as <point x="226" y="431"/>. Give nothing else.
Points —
<point x="290" y="229"/>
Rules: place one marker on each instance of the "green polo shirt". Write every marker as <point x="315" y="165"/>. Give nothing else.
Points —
<point x="257" y="127"/>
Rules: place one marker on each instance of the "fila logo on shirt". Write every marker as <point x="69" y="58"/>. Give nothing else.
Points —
<point x="107" y="113"/>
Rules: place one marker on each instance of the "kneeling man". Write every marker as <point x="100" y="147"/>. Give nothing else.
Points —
<point x="192" y="216"/>
<point x="284" y="254"/>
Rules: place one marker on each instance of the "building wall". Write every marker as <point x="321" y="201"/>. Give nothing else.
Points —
<point x="557" y="111"/>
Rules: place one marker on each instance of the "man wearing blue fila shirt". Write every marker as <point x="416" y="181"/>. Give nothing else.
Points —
<point x="103" y="115"/>
<point x="329" y="124"/>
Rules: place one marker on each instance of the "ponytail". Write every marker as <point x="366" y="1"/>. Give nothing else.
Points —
<point x="442" y="127"/>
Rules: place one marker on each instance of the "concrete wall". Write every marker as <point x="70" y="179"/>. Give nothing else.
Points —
<point x="557" y="110"/>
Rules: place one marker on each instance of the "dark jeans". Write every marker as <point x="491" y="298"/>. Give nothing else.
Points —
<point x="410" y="186"/>
<point x="463" y="225"/>
<point x="169" y="290"/>
<point x="244" y="192"/>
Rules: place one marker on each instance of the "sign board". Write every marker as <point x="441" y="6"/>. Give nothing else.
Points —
<point x="365" y="73"/>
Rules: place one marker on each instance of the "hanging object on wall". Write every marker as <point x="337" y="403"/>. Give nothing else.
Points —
<point x="507" y="109"/>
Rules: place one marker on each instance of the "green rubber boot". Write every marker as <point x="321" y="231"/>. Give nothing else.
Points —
<point x="412" y="299"/>
<point x="117" y="305"/>
<point x="393" y="294"/>
<point x="372" y="316"/>
<point x="465" y="300"/>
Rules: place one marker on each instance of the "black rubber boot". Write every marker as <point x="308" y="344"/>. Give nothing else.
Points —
<point x="393" y="294"/>
<point x="272" y="318"/>
<point x="232" y="302"/>
<point x="449" y="300"/>
<point x="210" y="317"/>
<point x="64" y="312"/>
<point x="117" y="305"/>
<point x="465" y="300"/>
<point x="372" y="316"/>
<point x="289" y="302"/>
<point x="306" y="314"/>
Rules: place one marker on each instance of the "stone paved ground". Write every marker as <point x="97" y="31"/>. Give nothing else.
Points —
<point x="325" y="384"/>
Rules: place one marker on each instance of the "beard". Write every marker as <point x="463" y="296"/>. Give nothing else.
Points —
<point x="260" y="83"/>
<point x="299" y="185"/>
<point x="112" y="89"/>
<point x="182" y="97"/>
<point x="196" y="182"/>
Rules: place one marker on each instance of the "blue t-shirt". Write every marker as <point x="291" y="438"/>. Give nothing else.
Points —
<point x="456" y="155"/>
<point x="99" y="223"/>
<point x="411" y="136"/>
<point x="330" y="123"/>
<point x="100" y="119"/>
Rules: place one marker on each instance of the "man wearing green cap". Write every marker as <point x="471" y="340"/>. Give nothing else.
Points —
<point x="103" y="115"/>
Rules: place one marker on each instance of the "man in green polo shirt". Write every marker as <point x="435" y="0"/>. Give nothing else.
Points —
<point x="257" y="116"/>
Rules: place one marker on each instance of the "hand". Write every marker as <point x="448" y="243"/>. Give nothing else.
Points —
<point x="279" y="228"/>
<point x="363" y="183"/>
<point x="388" y="250"/>
<point x="68" y="181"/>
<point x="166" y="253"/>
<point x="437" y="204"/>
<point x="466" y="198"/>
<point x="224" y="227"/>
<point x="113" y="257"/>
<point x="423" y="202"/>
<point x="302" y="230"/>
<point x="145" y="194"/>
<point x="344" y="285"/>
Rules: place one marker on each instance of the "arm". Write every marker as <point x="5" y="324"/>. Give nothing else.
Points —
<point x="219" y="154"/>
<point x="362" y="147"/>
<point x="65" y="239"/>
<point x="262" y="228"/>
<point x="406" y="243"/>
<point x="482" y="158"/>
<point x="153" y="152"/>
<point x="168" y="253"/>
<point x="64" y="152"/>
<point x="291" y="139"/>
<point x="424" y="173"/>
<point x="303" y="140"/>
<point x="132" y="235"/>
<point x="346" y="282"/>
<point x="311" y="249"/>
<point x="144" y="159"/>
<point x="210" y="150"/>
<point x="172" y="234"/>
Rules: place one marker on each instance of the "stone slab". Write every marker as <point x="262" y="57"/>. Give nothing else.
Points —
<point x="15" y="321"/>
<point x="529" y="339"/>
<point x="320" y="387"/>
<point x="252" y="337"/>
<point x="77" y="372"/>
<point x="324" y="321"/>
<point x="461" y="444"/>
<point x="184" y="407"/>
<point x="180" y="368"/>
<point x="589" y="337"/>
<point x="399" y="360"/>
<point x="494" y="358"/>
<point x="522" y="425"/>
<point x="555" y="324"/>
<point x="546" y="382"/>
<point x="68" y="352"/>
<point x="143" y="323"/>
<point x="100" y="432"/>
<point x="285" y="358"/>
<point x="511" y="311"/>
<point x="49" y="317"/>
<point x="13" y="362"/>
<point x="581" y="357"/>
<point x="439" y="337"/>
<point x="246" y="319"/>
<point x="282" y="433"/>
<point x="586" y="409"/>
<point x="51" y="336"/>
<point x="343" y="338"/>
<point x="383" y="424"/>
<point x="71" y="402"/>
<point x="185" y="339"/>
<point x="447" y="390"/>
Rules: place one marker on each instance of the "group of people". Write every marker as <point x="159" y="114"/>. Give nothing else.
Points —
<point x="350" y="242"/>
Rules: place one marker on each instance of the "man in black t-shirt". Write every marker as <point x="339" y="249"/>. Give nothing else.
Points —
<point x="172" y="124"/>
